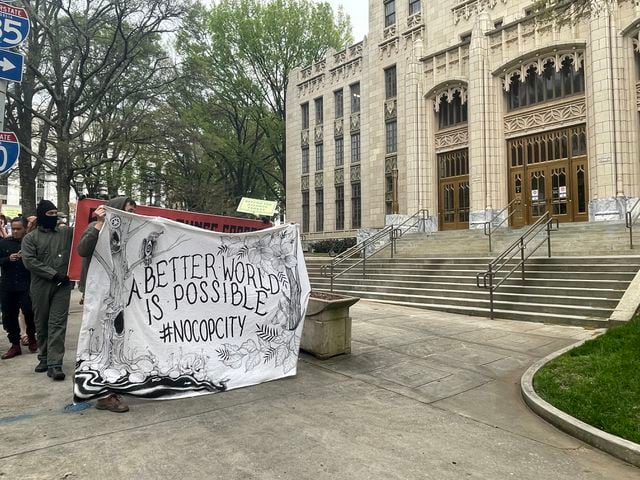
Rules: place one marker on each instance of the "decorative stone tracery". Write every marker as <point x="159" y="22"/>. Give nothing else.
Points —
<point x="304" y="183"/>
<point x="319" y="180"/>
<point x="355" y="173"/>
<point x="452" y="139"/>
<point x="555" y="116"/>
<point x="538" y="63"/>
<point x="354" y="124"/>
<point x="304" y="137"/>
<point x="338" y="176"/>
<point x="448" y="91"/>
<point x="390" y="109"/>
<point x="465" y="9"/>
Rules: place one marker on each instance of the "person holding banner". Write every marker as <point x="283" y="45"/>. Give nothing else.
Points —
<point x="14" y="290"/>
<point x="86" y="247"/>
<point x="45" y="253"/>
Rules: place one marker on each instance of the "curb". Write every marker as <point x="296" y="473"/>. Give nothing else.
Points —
<point x="612" y="444"/>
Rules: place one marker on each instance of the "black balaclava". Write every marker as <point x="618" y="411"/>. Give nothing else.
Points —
<point x="45" y="221"/>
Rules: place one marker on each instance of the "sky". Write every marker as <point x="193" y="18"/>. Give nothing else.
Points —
<point x="358" y="10"/>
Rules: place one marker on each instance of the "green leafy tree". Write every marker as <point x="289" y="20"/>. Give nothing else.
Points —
<point x="240" y="53"/>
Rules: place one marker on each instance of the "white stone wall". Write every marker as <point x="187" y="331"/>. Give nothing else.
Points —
<point x="473" y="46"/>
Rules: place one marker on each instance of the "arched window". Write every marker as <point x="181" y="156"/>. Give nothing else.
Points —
<point x="545" y="85"/>
<point x="452" y="111"/>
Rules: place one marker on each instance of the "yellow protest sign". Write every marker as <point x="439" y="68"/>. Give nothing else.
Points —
<point x="260" y="208"/>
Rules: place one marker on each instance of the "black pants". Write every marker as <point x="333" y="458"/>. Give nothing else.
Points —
<point x="12" y="303"/>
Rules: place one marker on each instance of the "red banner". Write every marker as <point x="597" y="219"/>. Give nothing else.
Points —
<point x="215" y="223"/>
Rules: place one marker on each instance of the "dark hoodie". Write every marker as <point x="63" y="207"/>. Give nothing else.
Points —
<point x="89" y="239"/>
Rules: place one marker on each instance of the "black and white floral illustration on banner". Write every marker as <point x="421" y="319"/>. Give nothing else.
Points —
<point x="110" y="363"/>
<point x="278" y="337"/>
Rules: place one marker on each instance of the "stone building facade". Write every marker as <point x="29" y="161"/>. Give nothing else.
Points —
<point x="472" y="109"/>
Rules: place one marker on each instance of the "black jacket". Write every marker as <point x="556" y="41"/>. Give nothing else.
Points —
<point x="15" y="277"/>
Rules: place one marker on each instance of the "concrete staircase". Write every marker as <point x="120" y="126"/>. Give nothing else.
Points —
<point x="438" y="272"/>
<point x="571" y="239"/>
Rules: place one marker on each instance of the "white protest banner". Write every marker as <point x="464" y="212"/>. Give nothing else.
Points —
<point x="175" y="311"/>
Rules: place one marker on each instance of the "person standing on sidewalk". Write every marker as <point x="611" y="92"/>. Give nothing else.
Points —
<point x="45" y="253"/>
<point x="86" y="247"/>
<point x="14" y="290"/>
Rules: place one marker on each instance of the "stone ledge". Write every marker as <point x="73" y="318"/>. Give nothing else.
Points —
<point x="612" y="444"/>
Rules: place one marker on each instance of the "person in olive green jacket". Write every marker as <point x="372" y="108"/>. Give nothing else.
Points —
<point x="45" y="253"/>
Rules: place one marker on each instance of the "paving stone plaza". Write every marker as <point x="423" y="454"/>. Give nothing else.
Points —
<point x="423" y="395"/>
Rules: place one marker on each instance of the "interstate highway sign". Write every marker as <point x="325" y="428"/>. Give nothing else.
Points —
<point x="9" y="151"/>
<point x="14" y="26"/>
<point x="11" y="66"/>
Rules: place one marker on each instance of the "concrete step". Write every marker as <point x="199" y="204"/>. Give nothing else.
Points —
<point x="585" y="317"/>
<point x="560" y="289"/>
<point x="561" y="298"/>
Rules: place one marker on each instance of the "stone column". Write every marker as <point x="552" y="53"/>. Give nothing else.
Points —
<point x="413" y="104"/>
<point x="609" y="125"/>
<point x="487" y="170"/>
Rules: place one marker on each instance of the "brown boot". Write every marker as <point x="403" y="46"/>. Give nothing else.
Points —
<point x="113" y="403"/>
<point x="14" y="351"/>
<point x="33" y="345"/>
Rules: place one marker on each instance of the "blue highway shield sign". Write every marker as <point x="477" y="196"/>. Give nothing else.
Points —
<point x="14" y="26"/>
<point x="9" y="151"/>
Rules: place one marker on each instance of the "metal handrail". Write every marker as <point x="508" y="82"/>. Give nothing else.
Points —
<point x="519" y="246"/>
<point x="630" y="219"/>
<point x="489" y="226"/>
<point x="390" y="232"/>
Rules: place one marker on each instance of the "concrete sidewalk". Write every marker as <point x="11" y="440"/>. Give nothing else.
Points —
<point x="424" y="395"/>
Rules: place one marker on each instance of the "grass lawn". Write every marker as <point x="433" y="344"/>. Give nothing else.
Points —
<point x="599" y="382"/>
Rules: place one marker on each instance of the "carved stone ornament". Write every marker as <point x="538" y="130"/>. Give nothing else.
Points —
<point x="319" y="180"/>
<point x="538" y="63"/>
<point x="354" y="124"/>
<point x="449" y="91"/>
<point x="304" y="183"/>
<point x="554" y="116"/>
<point x="338" y="127"/>
<point x="338" y="176"/>
<point x="452" y="139"/>
<point x="389" y="47"/>
<point x="318" y="133"/>
<point x="389" y="32"/>
<point x="638" y="95"/>
<point x="313" y="84"/>
<point x="304" y="137"/>
<point x="414" y="20"/>
<point x="390" y="109"/>
<point x="390" y="164"/>
<point x="355" y="173"/>
<point x="346" y="70"/>
<point x="465" y="9"/>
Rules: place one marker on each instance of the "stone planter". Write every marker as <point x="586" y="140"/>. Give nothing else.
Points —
<point x="327" y="325"/>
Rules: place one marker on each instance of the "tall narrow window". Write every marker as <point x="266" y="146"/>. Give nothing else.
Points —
<point x="339" y="207"/>
<point x="304" y="108"/>
<point x="390" y="84"/>
<point x="452" y="111"/>
<point x="389" y="13"/>
<point x="319" y="156"/>
<point x="414" y="7"/>
<point x="355" y="97"/>
<point x="355" y="148"/>
<point x="339" y="152"/>
<point x="339" y="103"/>
<point x="391" y="130"/>
<point x="305" y="211"/>
<point x="319" y="210"/>
<point x="305" y="160"/>
<point x="356" y="214"/>
<point x="319" y="111"/>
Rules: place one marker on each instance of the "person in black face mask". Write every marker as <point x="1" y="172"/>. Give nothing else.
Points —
<point x="45" y="253"/>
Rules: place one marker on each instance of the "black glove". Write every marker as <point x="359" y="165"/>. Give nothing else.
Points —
<point x="60" y="280"/>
